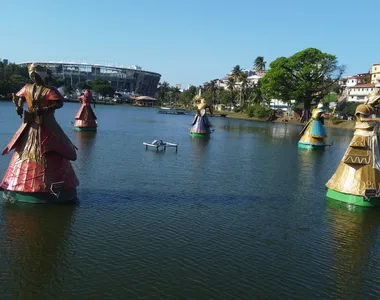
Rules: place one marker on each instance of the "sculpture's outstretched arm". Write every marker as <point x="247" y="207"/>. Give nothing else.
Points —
<point x="53" y="105"/>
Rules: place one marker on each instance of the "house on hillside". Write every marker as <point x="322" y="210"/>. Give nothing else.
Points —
<point x="375" y="73"/>
<point x="360" y="92"/>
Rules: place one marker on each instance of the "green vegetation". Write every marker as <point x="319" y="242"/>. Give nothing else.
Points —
<point x="12" y="79"/>
<point x="336" y="120"/>
<point x="347" y="108"/>
<point x="102" y="87"/>
<point x="306" y="77"/>
<point x="258" y="111"/>
<point x="331" y="97"/>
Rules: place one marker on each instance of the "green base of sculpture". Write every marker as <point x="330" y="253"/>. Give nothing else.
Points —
<point x="66" y="196"/>
<point x="194" y="134"/>
<point x="352" y="199"/>
<point x="85" y="128"/>
<point x="311" y="147"/>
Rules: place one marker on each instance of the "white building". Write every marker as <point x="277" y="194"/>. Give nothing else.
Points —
<point x="278" y="104"/>
<point x="360" y="92"/>
<point x="357" y="79"/>
<point x="253" y="78"/>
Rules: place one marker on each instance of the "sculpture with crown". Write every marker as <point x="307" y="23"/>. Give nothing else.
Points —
<point x="40" y="170"/>
<point x="85" y="119"/>
<point x="313" y="134"/>
<point x="357" y="179"/>
<point x="201" y="126"/>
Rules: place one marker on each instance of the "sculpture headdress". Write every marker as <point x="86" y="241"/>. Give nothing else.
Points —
<point x="374" y="98"/>
<point x="37" y="69"/>
<point x="197" y="98"/>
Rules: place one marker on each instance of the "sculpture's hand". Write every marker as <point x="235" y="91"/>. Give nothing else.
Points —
<point x="41" y="110"/>
<point x="20" y="111"/>
<point x="15" y="99"/>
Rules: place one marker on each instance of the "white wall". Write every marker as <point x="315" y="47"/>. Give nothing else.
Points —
<point x="359" y="94"/>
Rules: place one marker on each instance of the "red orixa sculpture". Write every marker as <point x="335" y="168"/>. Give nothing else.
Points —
<point x="40" y="170"/>
<point x="85" y="118"/>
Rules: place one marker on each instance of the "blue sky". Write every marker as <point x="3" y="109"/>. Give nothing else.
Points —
<point x="193" y="41"/>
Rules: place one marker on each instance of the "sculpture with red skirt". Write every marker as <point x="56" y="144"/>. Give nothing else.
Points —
<point x="85" y="118"/>
<point x="40" y="170"/>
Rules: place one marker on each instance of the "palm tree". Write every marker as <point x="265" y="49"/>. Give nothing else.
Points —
<point x="236" y="71"/>
<point x="212" y="87"/>
<point x="257" y="94"/>
<point x="243" y="79"/>
<point x="176" y="93"/>
<point x="231" y="84"/>
<point x="259" y="63"/>
<point x="163" y="89"/>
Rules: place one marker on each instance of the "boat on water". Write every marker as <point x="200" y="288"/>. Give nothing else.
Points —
<point x="172" y="111"/>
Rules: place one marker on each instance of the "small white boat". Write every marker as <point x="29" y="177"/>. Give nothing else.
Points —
<point x="160" y="145"/>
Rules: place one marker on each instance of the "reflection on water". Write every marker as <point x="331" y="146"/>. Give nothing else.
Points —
<point x="199" y="145"/>
<point x="84" y="139"/>
<point x="240" y="215"/>
<point x="34" y="247"/>
<point x="354" y="231"/>
<point x="278" y="131"/>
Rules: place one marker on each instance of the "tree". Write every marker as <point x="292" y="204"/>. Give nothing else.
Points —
<point x="306" y="77"/>
<point x="243" y="79"/>
<point x="12" y="78"/>
<point x="83" y="85"/>
<point x="225" y="97"/>
<point x="102" y="87"/>
<point x="186" y="98"/>
<point x="256" y="95"/>
<point x="231" y="84"/>
<point x="174" y="94"/>
<point x="212" y="87"/>
<point x="236" y="72"/>
<point x="259" y="63"/>
<point x="162" y="91"/>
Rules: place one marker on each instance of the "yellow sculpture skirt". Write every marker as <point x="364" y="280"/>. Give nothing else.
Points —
<point x="357" y="170"/>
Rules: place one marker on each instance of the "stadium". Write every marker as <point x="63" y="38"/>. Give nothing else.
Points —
<point x="131" y="79"/>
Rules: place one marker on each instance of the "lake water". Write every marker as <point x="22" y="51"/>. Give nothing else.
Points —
<point x="242" y="215"/>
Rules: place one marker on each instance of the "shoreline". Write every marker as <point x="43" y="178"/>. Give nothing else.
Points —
<point x="342" y="124"/>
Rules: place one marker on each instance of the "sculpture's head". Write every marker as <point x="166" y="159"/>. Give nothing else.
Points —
<point x="37" y="73"/>
<point x="320" y="105"/>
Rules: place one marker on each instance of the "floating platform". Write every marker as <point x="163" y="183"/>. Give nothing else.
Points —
<point x="202" y="135"/>
<point x="353" y="199"/>
<point x="85" y="128"/>
<point x="172" y="111"/>
<point x="160" y="145"/>
<point x="311" y="146"/>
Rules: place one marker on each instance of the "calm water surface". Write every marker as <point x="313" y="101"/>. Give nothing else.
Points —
<point x="242" y="215"/>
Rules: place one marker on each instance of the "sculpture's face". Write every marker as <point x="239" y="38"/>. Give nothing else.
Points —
<point x="37" y="73"/>
<point x="36" y="78"/>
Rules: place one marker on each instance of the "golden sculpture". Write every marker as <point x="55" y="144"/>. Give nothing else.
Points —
<point x="313" y="133"/>
<point x="357" y="178"/>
